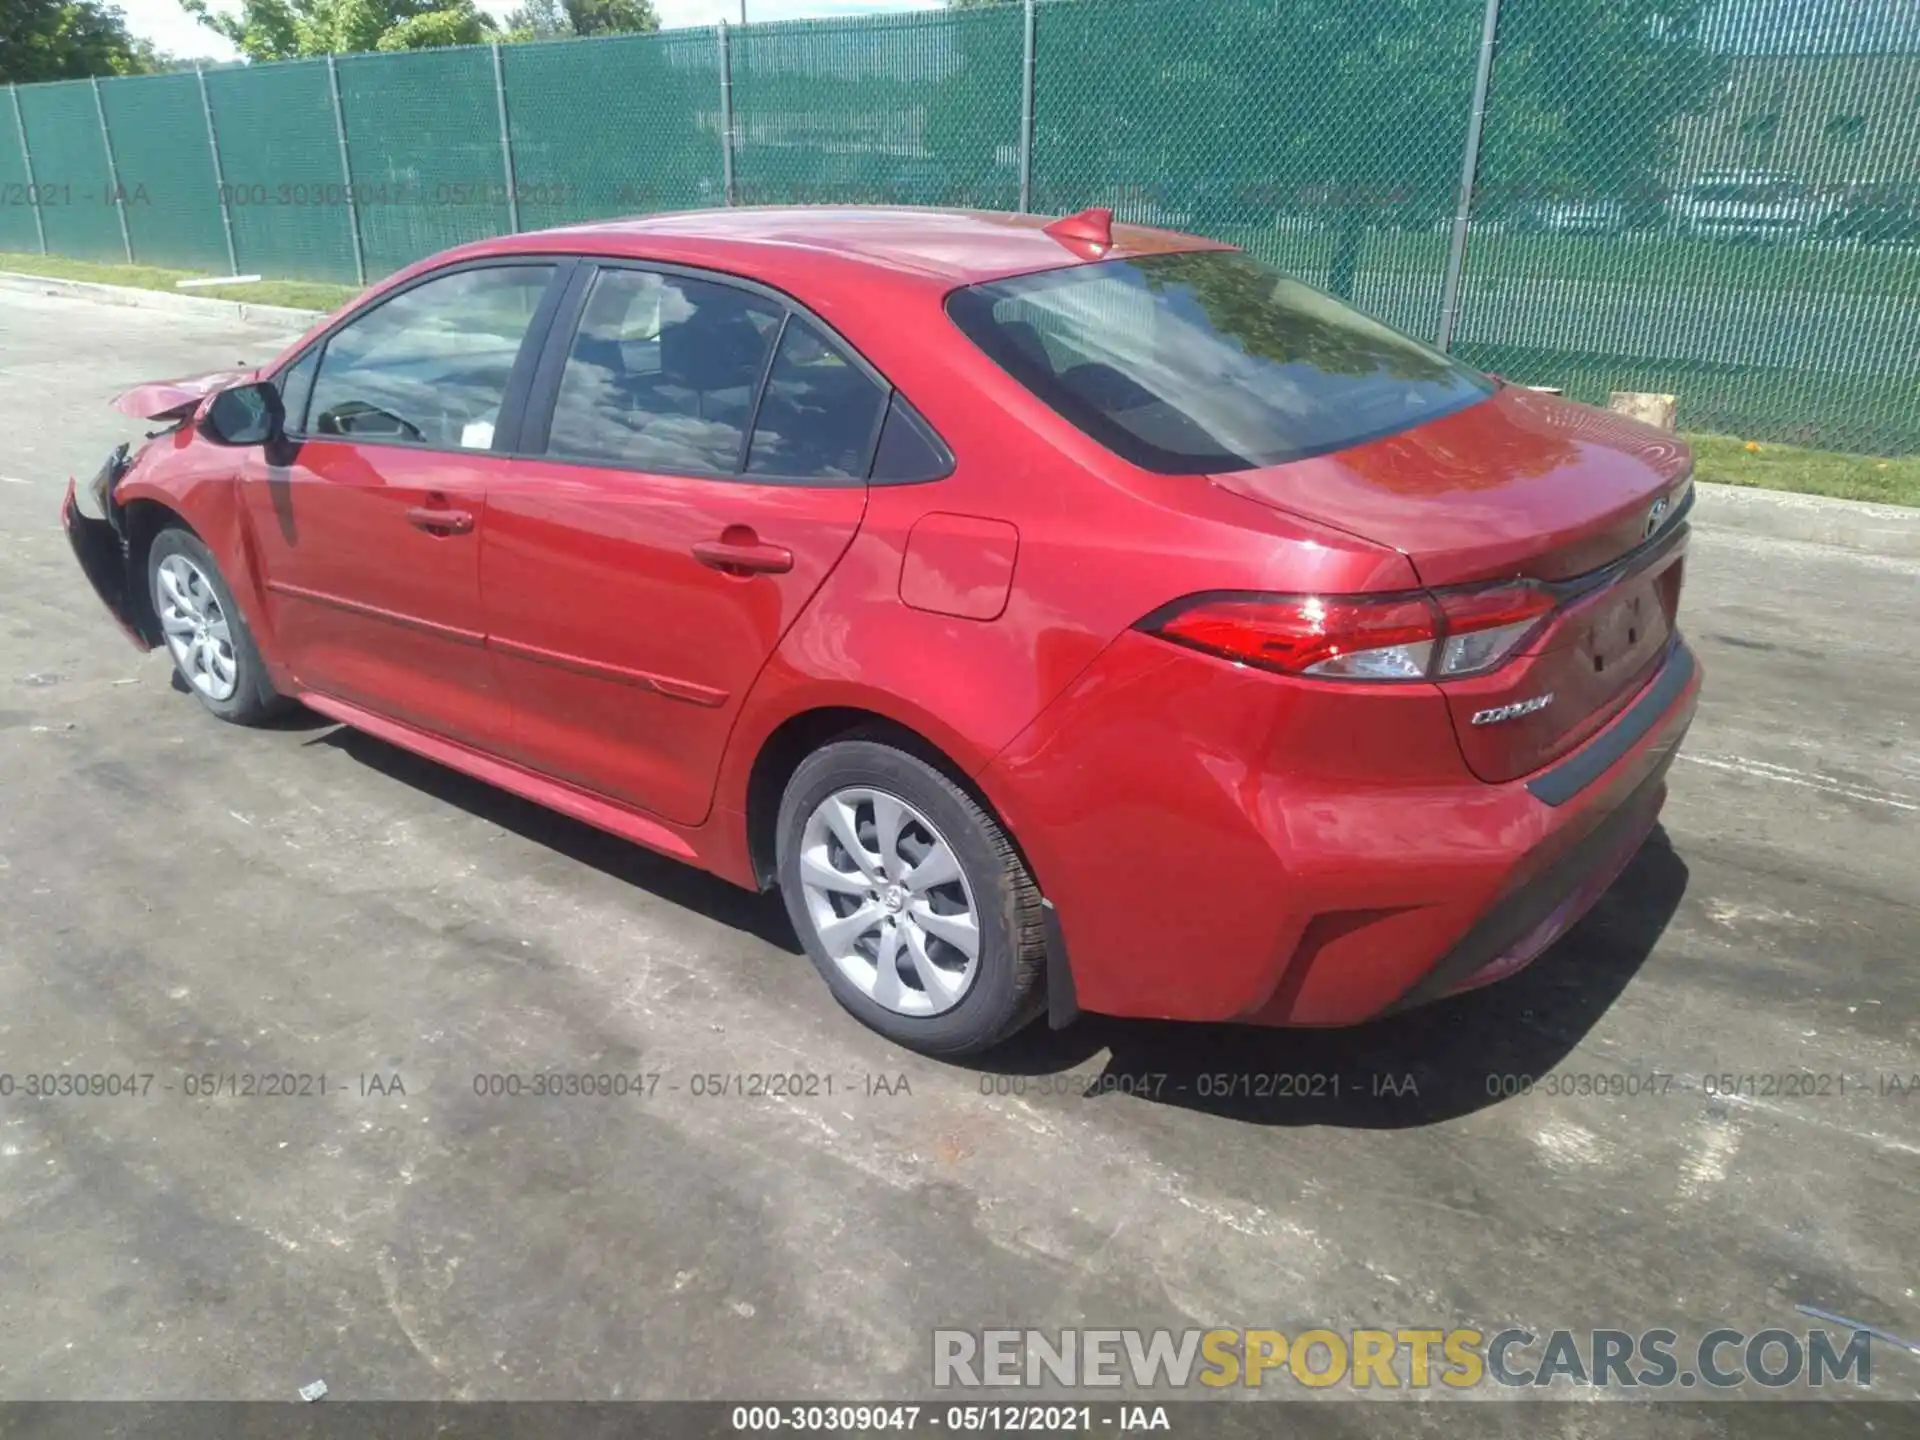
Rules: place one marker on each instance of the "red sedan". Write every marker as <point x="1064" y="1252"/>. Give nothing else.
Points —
<point x="1064" y="616"/>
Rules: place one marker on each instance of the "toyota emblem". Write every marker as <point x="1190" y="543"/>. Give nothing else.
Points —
<point x="1655" y="516"/>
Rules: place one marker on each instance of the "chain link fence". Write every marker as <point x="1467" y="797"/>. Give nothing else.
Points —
<point x="1714" y="198"/>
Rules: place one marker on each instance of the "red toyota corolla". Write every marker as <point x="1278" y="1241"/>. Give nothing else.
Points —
<point x="1064" y="616"/>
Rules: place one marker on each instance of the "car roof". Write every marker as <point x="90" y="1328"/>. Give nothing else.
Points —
<point x="944" y="247"/>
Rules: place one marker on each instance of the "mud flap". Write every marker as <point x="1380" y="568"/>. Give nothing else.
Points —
<point x="1063" y="1003"/>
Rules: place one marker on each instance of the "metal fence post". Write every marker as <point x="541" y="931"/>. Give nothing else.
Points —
<point x="26" y="157"/>
<point x="113" y="173"/>
<point x="346" y="174"/>
<point x="1469" y="169"/>
<point x="219" y="175"/>
<point x="1026" y="113"/>
<point x="506" y="142"/>
<point x="726" y="116"/>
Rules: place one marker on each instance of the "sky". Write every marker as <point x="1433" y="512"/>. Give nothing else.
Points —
<point x="177" y="33"/>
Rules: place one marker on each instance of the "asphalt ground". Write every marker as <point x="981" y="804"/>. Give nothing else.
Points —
<point x="184" y="899"/>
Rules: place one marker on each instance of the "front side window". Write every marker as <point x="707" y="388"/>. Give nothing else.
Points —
<point x="818" y="414"/>
<point x="663" y="374"/>
<point x="296" y="384"/>
<point x="430" y="366"/>
<point x="1205" y="362"/>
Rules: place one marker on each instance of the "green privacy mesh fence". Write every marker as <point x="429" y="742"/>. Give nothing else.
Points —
<point x="19" y="230"/>
<point x="1716" y="198"/>
<point x="154" y="120"/>
<point x="618" y="126"/>
<point x="423" y="138"/>
<point x="1316" y="133"/>
<point x="75" y="197"/>
<point x="280" y="156"/>
<point x="907" y="109"/>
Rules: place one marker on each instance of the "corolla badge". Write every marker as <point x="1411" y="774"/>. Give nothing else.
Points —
<point x="1655" y="516"/>
<point x="1513" y="711"/>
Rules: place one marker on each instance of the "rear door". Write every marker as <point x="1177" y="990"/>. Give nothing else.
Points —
<point x="697" y="461"/>
<point x="369" y="533"/>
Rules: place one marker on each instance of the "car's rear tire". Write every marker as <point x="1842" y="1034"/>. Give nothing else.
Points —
<point x="205" y="635"/>
<point x="932" y="933"/>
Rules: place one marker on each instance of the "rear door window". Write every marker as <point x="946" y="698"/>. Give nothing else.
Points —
<point x="663" y="374"/>
<point x="908" y="451"/>
<point x="818" y="417"/>
<point x="1205" y="362"/>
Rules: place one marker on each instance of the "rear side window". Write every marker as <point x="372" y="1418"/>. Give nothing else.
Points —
<point x="819" y="412"/>
<point x="1206" y="362"/>
<point x="909" y="451"/>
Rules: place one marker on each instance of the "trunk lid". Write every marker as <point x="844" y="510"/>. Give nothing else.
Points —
<point x="1522" y="486"/>
<point x="176" y="399"/>
<point x="1599" y="650"/>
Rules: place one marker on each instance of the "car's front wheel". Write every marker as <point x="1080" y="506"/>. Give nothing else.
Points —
<point x="212" y="649"/>
<point x="910" y="899"/>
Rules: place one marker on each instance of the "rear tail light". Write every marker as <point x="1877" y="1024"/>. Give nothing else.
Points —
<point x="1411" y="635"/>
<point x="1486" y="624"/>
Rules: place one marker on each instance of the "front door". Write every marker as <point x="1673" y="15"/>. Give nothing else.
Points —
<point x="370" y="529"/>
<point x="703" y="469"/>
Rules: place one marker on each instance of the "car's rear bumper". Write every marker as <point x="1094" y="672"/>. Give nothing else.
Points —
<point x="1215" y="853"/>
<point x="1521" y="925"/>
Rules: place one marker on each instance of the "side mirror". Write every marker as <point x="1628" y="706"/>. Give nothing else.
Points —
<point x="245" y="415"/>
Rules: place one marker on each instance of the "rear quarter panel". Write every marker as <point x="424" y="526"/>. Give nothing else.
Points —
<point x="1099" y="544"/>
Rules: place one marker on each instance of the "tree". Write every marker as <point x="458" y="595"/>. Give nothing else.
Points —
<point x="291" y="29"/>
<point x="561" y="19"/>
<point x="461" y="24"/>
<point x="67" y="40"/>
<point x="612" y="17"/>
<point x="539" y="20"/>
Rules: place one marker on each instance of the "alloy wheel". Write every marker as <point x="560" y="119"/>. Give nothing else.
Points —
<point x="196" y="627"/>
<point x="889" y="902"/>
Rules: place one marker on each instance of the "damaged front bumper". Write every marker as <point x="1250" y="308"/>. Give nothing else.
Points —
<point x="100" y="545"/>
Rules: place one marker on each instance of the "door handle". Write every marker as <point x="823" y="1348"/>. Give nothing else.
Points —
<point x="439" y="522"/>
<point x="743" y="554"/>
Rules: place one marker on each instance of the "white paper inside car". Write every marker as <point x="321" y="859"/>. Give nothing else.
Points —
<point x="476" y="434"/>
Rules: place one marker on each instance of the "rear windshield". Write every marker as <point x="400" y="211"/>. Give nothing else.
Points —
<point x="1208" y="361"/>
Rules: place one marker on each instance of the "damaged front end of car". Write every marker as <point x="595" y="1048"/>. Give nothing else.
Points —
<point x="103" y="540"/>
<point x="100" y="545"/>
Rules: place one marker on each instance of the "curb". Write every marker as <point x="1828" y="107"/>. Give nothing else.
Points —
<point x="1872" y="529"/>
<point x="159" y="300"/>
<point x="1892" y="530"/>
